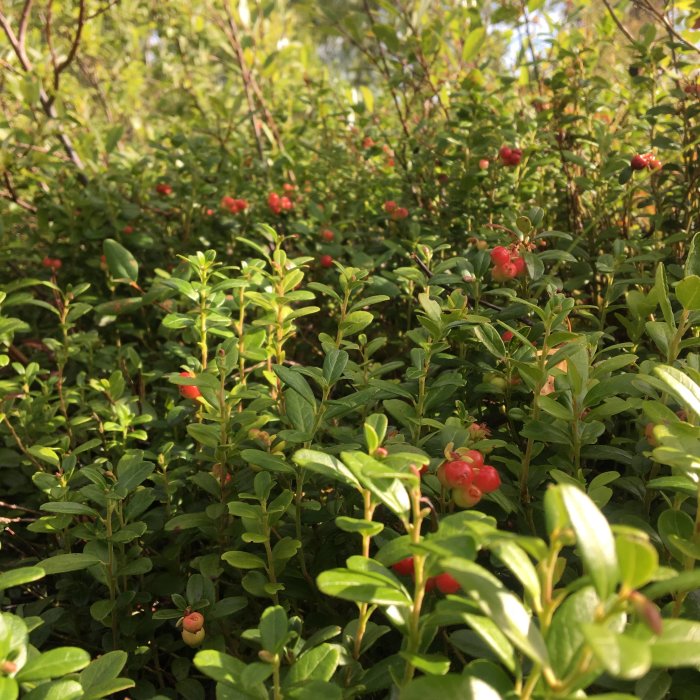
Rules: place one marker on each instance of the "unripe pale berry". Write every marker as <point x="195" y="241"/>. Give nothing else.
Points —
<point x="193" y="639"/>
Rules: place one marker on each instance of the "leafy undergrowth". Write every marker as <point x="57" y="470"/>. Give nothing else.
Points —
<point x="399" y="402"/>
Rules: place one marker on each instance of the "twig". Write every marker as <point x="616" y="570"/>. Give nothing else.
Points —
<point x="231" y="31"/>
<point x="619" y="24"/>
<point x="12" y="194"/>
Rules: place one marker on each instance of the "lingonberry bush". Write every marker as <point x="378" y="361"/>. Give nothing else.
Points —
<point x="349" y="350"/>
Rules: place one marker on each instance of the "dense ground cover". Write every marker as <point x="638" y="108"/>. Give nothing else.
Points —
<point x="348" y="350"/>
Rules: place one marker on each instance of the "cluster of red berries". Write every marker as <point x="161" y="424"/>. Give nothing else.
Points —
<point x="507" y="264"/>
<point x="235" y="206"/>
<point x="187" y="391"/>
<point x="647" y="160"/>
<point x="468" y="477"/>
<point x="193" y="629"/>
<point x="53" y="263"/>
<point x="164" y="189"/>
<point x="445" y="583"/>
<point x="397" y="213"/>
<point x="279" y="204"/>
<point x="510" y="156"/>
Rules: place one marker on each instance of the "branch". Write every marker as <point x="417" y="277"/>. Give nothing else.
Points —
<point x="231" y="32"/>
<point x="664" y="20"/>
<point x="24" y="23"/>
<point x="12" y="194"/>
<point x="76" y="41"/>
<point x="619" y="24"/>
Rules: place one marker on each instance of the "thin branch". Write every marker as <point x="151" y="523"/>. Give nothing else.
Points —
<point x="76" y="41"/>
<point x="648" y="7"/>
<point x="12" y="194"/>
<point x="619" y="24"/>
<point x="231" y="31"/>
<point x="24" y="23"/>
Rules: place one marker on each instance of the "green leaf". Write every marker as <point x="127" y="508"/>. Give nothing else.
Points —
<point x="296" y="381"/>
<point x="18" y="577"/>
<point x="378" y="479"/>
<point x="58" y="690"/>
<point x="681" y="385"/>
<point x="326" y="465"/>
<point x="678" y="645"/>
<point x="501" y="606"/>
<point x="692" y="262"/>
<point x="688" y="293"/>
<point x="274" y="628"/>
<point x="334" y="365"/>
<point x="53" y="663"/>
<point x="620" y="655"/>
<point x="121" y="263"/>
<point x="103" y="669"/>
<point x="362" y="587"/>
<point x="221" y="667"/>
<point x="637" y="559"/>
<point x="318" y="663"/>
<point x="434" y="664"/>
<point x="594" y="538"/>
<point x="472" y="43"/>
<point x="355" y="322"/>
<point x="69" y="508"/>
<point x="491" y="340"/>
<point x="243" y="560"/>
<point x="492" y="635"/>
<point x="366" y="528"/>
<point x="451" y="686"/>
<point x="63" y="563"/>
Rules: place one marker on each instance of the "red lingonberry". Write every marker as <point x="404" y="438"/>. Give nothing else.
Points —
<point x="654" y="164"/>
<point x="404" y="567"/>
<point x="430" y="584"/>
<point x="446" y="583"/>
<point x="288" y="187"/>
<point x="483" y="164"/>
<point x="286" y="203"/>
<point x="500" y="255"/>
<point x="326" y="260"/>
<point x="390" y="206"/>
<point x="381" y="452"/>
<point x="457" y="472"/>
<point x="227" y="202"/>
<point x="639" y="162"/>
<point x="487" y="479"/>
<point x="164" y="189"/>
<point x="327" y="235"/>
<point x="186" y="391"/>
<point x="399" y="213"/>
<point x="507" y="336"/>
<point x="504" y="152"/>
<point x="273" y="201"/>
<point x="475" y="458"/>
<point x="520" y="265"/>
<point x="193" y="622"/>
<point x="128" y="230"/>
